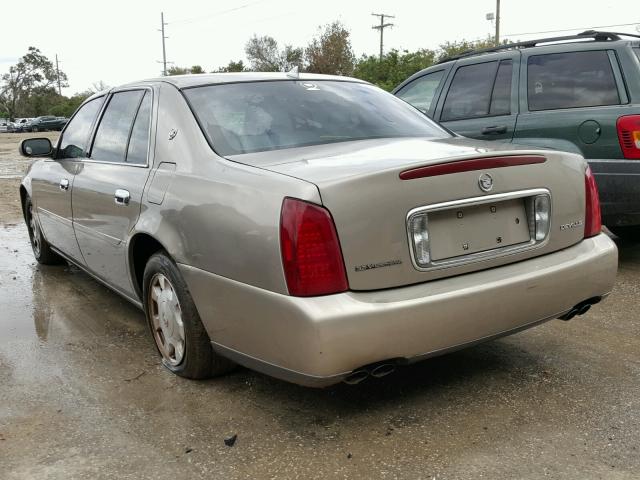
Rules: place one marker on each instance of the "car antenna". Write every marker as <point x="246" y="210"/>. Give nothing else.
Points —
<point x="294" y="73"/>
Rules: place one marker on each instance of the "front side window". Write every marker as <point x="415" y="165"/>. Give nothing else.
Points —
<point x="420" y="92"/>
<point x="110" y="144"/>
<point x="570" y="80"/>
<point x="258" y="116"/>
<point x="76" y="134"/>
<point x="501" y="96"/>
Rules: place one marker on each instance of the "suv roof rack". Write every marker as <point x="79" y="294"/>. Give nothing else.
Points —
<point x="593" y="34"/>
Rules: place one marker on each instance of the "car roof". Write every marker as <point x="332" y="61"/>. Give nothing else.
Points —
<point x="200" y="79"/>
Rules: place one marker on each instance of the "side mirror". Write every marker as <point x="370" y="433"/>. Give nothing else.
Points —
<point x="35" y="147"/>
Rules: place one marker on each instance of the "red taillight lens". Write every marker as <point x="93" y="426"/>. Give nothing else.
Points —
<point x="629" y="136"/>
<point x="311" y="254"/>
<point x="592" y="220"/>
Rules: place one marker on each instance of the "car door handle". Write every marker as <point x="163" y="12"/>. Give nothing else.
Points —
<point x="122" y="197"/>
<point x="495" y="130"/>
<point x="64" y="184"/>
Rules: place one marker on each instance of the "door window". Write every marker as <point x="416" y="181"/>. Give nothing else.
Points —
<point x="637" y="50"/>
<point x="570" y="80"/>
<point x="111" y="140"/>
<point x="76" y="135"/>
<point x="420" y="92"/>
<point x="501" y="96"/>
<point x="139" y="141"/>
<point x="479" y="90"/>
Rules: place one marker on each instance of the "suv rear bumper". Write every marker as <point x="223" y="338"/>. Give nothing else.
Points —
<point x="619" y="186"/>
<point x="318" y="341"/>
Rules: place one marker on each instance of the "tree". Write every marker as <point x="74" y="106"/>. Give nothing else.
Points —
<point x="265" y="55"/>
<point x="196" y="69"/>
<point x="98" y="86"/>
<point x="33" y="72"/>
<point x="232" y="67"/>
<point x="177" y="71"/>
<point x="330" y="52"/>
<point x="394" y="67"/>
<point x="452" y="49"/>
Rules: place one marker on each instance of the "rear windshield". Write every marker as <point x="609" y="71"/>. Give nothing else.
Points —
<point x="259" y="116"/>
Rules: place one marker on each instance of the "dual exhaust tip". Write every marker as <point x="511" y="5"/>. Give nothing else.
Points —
<point x="377" y="370"/>
<point x="581" y="308"/>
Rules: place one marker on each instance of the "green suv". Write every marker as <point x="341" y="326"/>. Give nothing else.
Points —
<point x="578" y="93"/>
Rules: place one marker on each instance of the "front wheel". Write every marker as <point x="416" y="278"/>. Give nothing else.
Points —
<point x="41" y="248"/>
<point x="175" y="324"/>
<point x="34" y="129"/>
<point x="631" y="232"/>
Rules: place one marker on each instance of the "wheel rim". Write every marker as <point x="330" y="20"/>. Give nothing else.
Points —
<point x="36" y="239"/>
<point x="166" y="320"/>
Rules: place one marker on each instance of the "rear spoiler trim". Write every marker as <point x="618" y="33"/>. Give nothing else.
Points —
<point x="470" y="165"/>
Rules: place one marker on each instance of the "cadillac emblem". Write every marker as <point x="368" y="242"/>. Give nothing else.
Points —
<point x="485" y="182"/>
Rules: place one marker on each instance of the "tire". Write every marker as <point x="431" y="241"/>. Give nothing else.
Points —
<point x="631" y="232"/>
<point x="41" y="248"/>
<point x="185" y="349"/>
<point x="34" y="129"/>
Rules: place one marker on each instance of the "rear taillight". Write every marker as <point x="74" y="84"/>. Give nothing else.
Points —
<point x="592" y="221"/>
<point x="311" y="254"/>
<point x="629" y="136"/>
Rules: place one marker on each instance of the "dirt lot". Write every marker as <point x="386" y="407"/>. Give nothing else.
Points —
<point x="82" y="395"/>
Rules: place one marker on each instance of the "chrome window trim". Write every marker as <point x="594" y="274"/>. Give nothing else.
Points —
<point x="486" y="254"/>
<point x="92" y="136"/>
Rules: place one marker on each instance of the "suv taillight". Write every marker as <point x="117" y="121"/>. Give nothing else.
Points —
<point x="592" y="220"/>
<point x="311" y="254"/>
<point x="629" y="136"/>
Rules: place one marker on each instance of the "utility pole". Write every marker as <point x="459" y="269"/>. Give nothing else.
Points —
<point x="381" y="27"/>
<point x="58" y="76"/>
<point x="164" y="51"/>
<point x="497" y="22"/>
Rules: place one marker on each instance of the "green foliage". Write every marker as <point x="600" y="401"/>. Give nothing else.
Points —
<point x="34" y="74"/>
<point x="452" y="49"/>
<point x="265" y="55"/>
<point x="232" y="67"/>
<point x="330" y="52"/>
<point x="395" y="67"/>
<point x="185" y="71"/>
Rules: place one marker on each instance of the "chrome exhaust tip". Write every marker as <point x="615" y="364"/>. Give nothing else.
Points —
<point x="356" y="377"/>
<point x="383" y="370"/>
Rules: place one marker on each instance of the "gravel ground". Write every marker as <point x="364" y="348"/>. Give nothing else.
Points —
<point x="82" y="395"/>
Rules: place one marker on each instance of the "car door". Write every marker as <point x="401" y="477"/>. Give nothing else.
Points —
<point x="571" y="100"/>
<point x="52" y="182"/>
<point x="480" y="98"/>
<point x="108" y="186"/>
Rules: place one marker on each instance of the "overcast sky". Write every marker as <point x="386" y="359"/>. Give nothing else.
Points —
<point x="117" y="41"/>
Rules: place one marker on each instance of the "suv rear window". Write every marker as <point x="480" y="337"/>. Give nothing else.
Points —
<point x="570" y="80"/>
<point x="268" y="115"/>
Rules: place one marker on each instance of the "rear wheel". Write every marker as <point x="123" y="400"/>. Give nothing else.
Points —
<point x="175" y="325"/>
<point x="35" y="129"/>
<point x="41" y="248"/>
<point x="631" y="232"/>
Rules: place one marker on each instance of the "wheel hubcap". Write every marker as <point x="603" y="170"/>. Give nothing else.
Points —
<point x="35" y="232"/>
<point x="166" y="318"/>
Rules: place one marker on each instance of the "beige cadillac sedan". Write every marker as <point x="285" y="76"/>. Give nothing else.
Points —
<point x="311" y="227"/>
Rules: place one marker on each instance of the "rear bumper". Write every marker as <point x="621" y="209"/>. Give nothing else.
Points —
<point x="318" y="341"/>
<point x="619" y="186"/>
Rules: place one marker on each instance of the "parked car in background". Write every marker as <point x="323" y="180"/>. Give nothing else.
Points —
<point x="312" y="227"/>
<point x="578" y="93"/>
<point x="4" y="124"/>
<point x="41" y="124"/>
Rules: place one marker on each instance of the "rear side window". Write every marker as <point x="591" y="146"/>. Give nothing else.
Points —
<point x="139" y="141"/>
<point x="110" y="144"/>
<point x="637" y="51"/>
<point x="420" y="92"/>
<point x="76" y="135"/>
<point x="479" y="90"/>
<point x="570" y="80"/>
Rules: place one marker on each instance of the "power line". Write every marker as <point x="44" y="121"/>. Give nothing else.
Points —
<point x="381" y="27"/>
<point x="571" y="29"/>
<point x="221" y="12"/>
